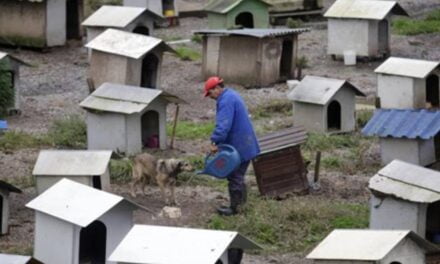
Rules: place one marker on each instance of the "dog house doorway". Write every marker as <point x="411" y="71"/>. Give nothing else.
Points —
<point x="433" y="222"/>
<point x="150" y="65"/>
<point x="97" y="182"/>
<point x="245" y="19"/>
<point x="73" y="9"/>
<point x="1" y="212"/>
<point x="334" y="116"/>
<point x="92" y="243"/>
<point x="286" y="59"/>
<point x="142" y="30"/>
<point x="383" y="37"/>
<point x="150" y="129"/>
<point x="432" y="91"/>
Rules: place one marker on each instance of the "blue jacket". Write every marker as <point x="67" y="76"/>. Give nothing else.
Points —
<point x="233" y="125"/>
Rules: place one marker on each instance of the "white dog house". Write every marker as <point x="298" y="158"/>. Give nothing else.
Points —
<point x="126" y="58"/>
<point x="126" y="118"/>
<point x="75" y="223"/>
<point x="408" y="83"/>
<point x="5" y="190"/>
<point x="362" y="27"/>
<point x="406" y="196"/>
<point x="83" y="166"/>
<point x="409" y="135"/>
<point x="132" y="19"/>
<point x="167" y="245"/>
<point x="17" y="259"/>
<point x="324" y="105"/>
<point x="372" y="247"/>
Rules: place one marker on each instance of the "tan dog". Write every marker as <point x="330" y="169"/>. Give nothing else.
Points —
<point x="147" y="169"/>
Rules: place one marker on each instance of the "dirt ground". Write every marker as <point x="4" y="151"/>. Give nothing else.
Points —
<point x="56" y="84"/>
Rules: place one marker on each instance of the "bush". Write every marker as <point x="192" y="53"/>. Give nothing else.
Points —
<point x="362" y="117"/>
<point x="120" y="170"/>
<point x="293" y="23"/>
<point x="6" y="89"/>
<point x="70" y="132"/>
<point x="197" y="39"/>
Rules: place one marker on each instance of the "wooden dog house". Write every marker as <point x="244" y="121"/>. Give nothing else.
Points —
<point x="5" y="190"/>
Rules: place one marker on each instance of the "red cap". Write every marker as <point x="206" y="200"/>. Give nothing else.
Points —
<point x="211" y="83"/>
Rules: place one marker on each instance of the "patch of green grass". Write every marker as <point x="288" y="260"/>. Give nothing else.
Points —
<point x="322" y="142"/>
<point x="188" y="54"/>
<point x="14" y="139"/>
<point x="333" y="162"/>
<point x="120" y="170"/>
<point x="362" y="117"/>
<point x="268" y="108"/>
<point x="18" y="250"/>
<point x="7" y="94"/>
<point x="70" y="132"/>
<point x="197" y="38"/>
<point x="406" y="26"/>
<point x="191" y="130"/>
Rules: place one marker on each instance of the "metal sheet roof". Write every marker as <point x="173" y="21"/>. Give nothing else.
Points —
<point x="407" y="181"/>
<point x="124" y="99"/>
<point x="113" y="16"/>
<point x="17" y="259"/>
<point x="362" y="9"/>
<point x="282" y="139"/>
<point x="224" y="6"/>
<point x="410" y="124"/>
<point x="153" y="244"/>
<point x="74" y="202"/>
<point x="319" y="90"/>
<point x="126" y="43"/>
<point x="72" y="162"/>
<point x="9" y="187"/>
<point x="367" y="245"/>
<point x="252" y="32"/>
<point x="407" y="67"/>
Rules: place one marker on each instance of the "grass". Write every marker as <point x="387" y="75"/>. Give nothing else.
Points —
<point x="323" y="142"/>
<point x="120" y="170"/>
<point x="192" y="130"/>
<point x="269" y="108"/>
<point x="407" y="26"/>
<point x="14" y="139"/>
<point x="197" y="38"/>
<point x="188" y="54"/>
<point x="292" y="225"/>
<point x="362" y="117"/>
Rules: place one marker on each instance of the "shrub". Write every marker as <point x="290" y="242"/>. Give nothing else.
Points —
<point x="70" y="131"/>
<point x="120" y="170"/>
<point x="197" y="39"/>
<point x="6" y="89"/>
<point x="293" y="23"/>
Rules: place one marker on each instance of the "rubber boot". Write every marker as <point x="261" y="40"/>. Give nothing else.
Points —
<point x="236" y="199"/>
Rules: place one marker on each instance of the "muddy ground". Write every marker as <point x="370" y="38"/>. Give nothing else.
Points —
<point x="56" y="83"/>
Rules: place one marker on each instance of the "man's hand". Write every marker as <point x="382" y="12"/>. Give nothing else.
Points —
<point x="213" y="148"/>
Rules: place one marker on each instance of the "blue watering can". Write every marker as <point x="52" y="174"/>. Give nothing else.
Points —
<point x="3" y="125"/>
<point x="222" y="163"/>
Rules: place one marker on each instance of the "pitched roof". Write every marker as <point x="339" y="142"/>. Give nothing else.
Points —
<point x="153" y="244"/>
<point x="224" y="6"/>
<point x="252" y="32"/>
<point x="367" y="245"/>
<point x="361" y="9"/>
<point x="319" y="90"/>
<point x="74" y="202"/>
<point x="125" y="99"/>
<point x="4" y="55"/>
<point x="407" y="181"/>
<point x="282" y="139"/>
<point x="117" y="16"/>
<point x="9" y="187"/>
<point x="399" y="123"/>
<point x="407" y="67"/>
<point x="126" y="44"/>
<point x="17" y="259"/>
<point x="72" y="162"/>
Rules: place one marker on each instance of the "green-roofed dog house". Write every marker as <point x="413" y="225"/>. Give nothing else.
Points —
<point x="237" y="13"/>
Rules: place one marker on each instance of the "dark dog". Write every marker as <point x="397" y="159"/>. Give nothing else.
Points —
<point x="147" y="169"/>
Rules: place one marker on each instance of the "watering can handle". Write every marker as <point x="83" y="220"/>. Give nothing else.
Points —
<point x="221" y="146"/>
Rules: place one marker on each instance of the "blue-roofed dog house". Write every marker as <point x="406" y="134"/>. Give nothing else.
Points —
<point x="408" y="135"/>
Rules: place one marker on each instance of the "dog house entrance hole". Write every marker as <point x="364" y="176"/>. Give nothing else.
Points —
<point x="1" y="212"/>
<point x="433" y="222"/>
<point x="245" y="20"/>
<point x="286" y="59"/>
<point x="142" y="30"/>
<point x="97" y="182"/>
<point x="432" y="90"/>
<point x="92" y="243"/>
<point x="334" y="116"/>
<point x="73" y="9"/>
<point x="383" y="36"/>
<point x="150" y="65"/>
<point x="150" y="129"/>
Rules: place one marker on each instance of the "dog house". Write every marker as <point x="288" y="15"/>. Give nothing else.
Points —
<point x="408" y="84"/>
<point x="83" y="166"/>
<point x="237" y="13"/>
<point x="279" y="168"/>
<point x="5" y="190"/>
<point x="126" y="58"/>
<point x="250" y="57"/>
<point x="41" y="23"/>
<point x="362" y="27"/>
<point x="406" y="196"/>
<point x="10" y="71"/>
<point x="161" y="244"/>
<point x="17" y="259"/>
<point x="325" y="105"/>
<point x="372" y="247"/>
<point x="75" y="223"/>
<point x="167" y="8"/>
<point x="409" y="135"/>
<point x="138" y="20"/>
<point x="126" y="118"/>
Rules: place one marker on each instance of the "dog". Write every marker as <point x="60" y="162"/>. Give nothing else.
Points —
<point x="148" y="169"/>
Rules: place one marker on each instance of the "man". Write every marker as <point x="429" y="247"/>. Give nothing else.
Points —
<point x="232" y="127"/>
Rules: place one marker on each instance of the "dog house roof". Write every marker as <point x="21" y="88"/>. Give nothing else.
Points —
<point x="360" y="9"/>
<point x="153" y="244"/>
<point x="367" y="245"/>
<point x="319" y="90"/>
<point x="4" y="55"/>
<point x="72" y="162"/>
<point x="119" y="98"/>
<point x="9" y="187"/>
<point x="407" y="181"/>
<point x="253" y="32"/>
<point x="75" y="203"/>
<point x="224" y="6"/>
<point x="17" y="259"/>
<point x="126" y="44"/>
<point x="407" y="67"/>
<point x="117" y="16"/>
<point x="282" y="139"/>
